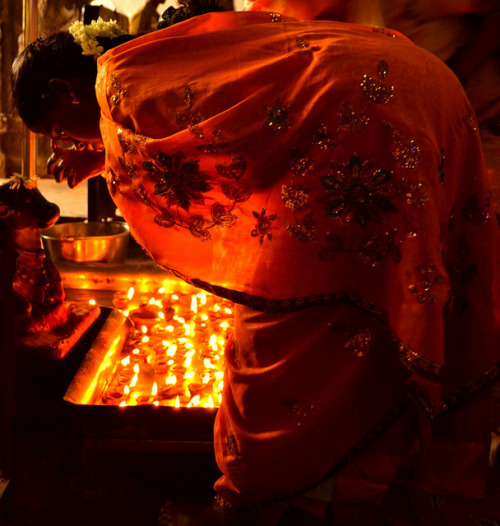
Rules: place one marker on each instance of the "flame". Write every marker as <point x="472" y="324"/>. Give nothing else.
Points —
<point x="92" y="302"/>
<point x="194" y="304"/>
<point x="201" y="340"/>
<point x="123" y="404"/>
<point x="208" y="364"/>
<point x="126" y="313"/>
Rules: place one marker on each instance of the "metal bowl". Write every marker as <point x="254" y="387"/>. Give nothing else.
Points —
<point x="87" y="242"/>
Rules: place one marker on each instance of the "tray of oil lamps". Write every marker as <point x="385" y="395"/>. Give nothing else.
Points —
<point x="156" y="368"/>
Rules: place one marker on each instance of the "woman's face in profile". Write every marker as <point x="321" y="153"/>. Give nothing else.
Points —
<point x="71" y="115"/>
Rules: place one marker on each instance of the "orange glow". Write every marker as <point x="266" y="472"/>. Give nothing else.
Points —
<point x="174" y="352"/>
<point x="92" y="302"/>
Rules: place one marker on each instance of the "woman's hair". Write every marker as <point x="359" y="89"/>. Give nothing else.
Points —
<point x="58" y="56"/>
<point x="188" y="9"/>
<point x="46" y="58"/>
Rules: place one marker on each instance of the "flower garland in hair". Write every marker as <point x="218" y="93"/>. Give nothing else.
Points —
<point x="17" y="180"/>
<point x="86" y="35"/>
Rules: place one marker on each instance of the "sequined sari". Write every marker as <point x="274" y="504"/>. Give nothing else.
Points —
<point x="329" y="179"/>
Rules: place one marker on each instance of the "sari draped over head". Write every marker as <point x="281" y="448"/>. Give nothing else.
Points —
<point x="328" y="178"/>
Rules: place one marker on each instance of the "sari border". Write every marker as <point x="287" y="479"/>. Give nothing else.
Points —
<point x="410" y="359"/>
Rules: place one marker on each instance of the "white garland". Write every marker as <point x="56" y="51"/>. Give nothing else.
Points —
<point x="86" y="35"/>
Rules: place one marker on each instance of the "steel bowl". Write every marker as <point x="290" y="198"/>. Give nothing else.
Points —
<point x="86" y="242"/>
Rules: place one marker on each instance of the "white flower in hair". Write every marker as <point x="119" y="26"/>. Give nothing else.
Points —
<point x="17" y="180"/>
<point x="86" y="35"/>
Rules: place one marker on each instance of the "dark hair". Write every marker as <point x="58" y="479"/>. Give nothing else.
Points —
<point x="54" y="56"/>
<point x="188" y="9"/>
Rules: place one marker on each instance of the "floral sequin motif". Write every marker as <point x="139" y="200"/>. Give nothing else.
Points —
<point x="302" y="411"/>
<point x="424" y="287"/>
<point x="114" y="183"/>
<point x="129" y="168"/>
<point x="476" y="212"/>
<point x="181" y="183"/>
<point x="374" y="248"/>
<point x="304" y="45"/>
<point x="117" y="92"/>
<point x="198" y="228"/>
<point x="232" y="445"/>
<point x="322" y="138"/>
<point x="471" y="120"/>
<point x="216" y="143"/>
<point x="129" y="141"/>
<point x="294" y="198"/>
<point x="305" y="230"/>
<point x="407" y="156"/>
<point x="384" y="31"/>
<point x="178" y="179"/>
<point x="276" y="17"/>
<point x="351" y="120"/>
<point x="190" y="118"/>
<point x="359" y="344"/>
<point x="358" y="192"/>
<point x="277" y="117"/>
<point x="264" y="224"/>
<point x="416" y="193"/>
<point x="377" y="91"/>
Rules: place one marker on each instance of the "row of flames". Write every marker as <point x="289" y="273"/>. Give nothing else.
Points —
<point x="174" y="353"/>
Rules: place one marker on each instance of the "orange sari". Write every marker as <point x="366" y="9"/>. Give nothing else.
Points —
<point x="329" y="179"/>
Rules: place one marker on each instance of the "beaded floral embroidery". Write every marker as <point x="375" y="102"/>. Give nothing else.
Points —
<point x="357" y="193"/>
<point x="180" y="182"/>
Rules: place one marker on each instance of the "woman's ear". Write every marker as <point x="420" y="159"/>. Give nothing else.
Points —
<point x="63" y="91"/>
